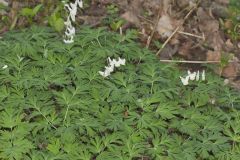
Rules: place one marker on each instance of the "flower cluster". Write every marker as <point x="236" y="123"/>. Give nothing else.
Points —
<point x="110" y="68"/>
<point x="70" y="29"/>
<point x="192" y="76"/>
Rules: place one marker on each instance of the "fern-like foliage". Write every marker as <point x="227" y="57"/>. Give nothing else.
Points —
<point x="55" y="105"/>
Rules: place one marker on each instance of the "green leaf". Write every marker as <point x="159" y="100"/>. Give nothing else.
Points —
<point x="59" y="24"/>
<point x="167" y="110"/>
<point x="36" y="9"/>
<point x="116" y="25"/>
<point x="28" y="12"/>
<point x="54" y="146"/>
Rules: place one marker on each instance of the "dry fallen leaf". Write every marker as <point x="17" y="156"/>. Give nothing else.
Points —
<point x="131" y="17"/>
<point x="229" y="44"/>
<point x="231" y="70"/>
<point x="210" y="28"/>
<point x="213" y="55"/>
<point x="166" y="25"/>
<point x="168" y="52"/>
<point x="133" y="11"/>
<point x="185" y="48"/>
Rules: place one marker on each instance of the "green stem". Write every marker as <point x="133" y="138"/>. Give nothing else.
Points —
<point x="66" y="114"/>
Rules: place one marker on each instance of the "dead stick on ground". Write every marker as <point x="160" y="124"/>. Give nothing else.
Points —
<point x="192" y="62"/>
<point x="154" y="29"/>
<point x="192" y="35"/>
<point x="176" y="30"/>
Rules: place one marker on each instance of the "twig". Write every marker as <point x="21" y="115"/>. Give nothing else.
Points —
<point x="166" y="42"/>
<point x="176" y="30"/>
<point x="154" y="29"/>
<point x="146" y="19"/>
<point x="193" y="35"/>
<point x="192" y="62"/>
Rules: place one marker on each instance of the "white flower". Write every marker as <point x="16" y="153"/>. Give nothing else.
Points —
<point x="80" y="3"/>
<point x="73" y="8"/>
<point x="70" y="31"/>
<point x="116" y="63"/>
<point x="111" y="62"/>
<point x="68" y="41"/>
<point x="72" y="11"/>
<point x="120" y="62"/>
<point x="110" y="68"/>
<point x="192" y="76"/>
<point x="197" y="76"/>
<point x="203" y="75"/>
<point x="104" y="74"/>
<point x="68" y="23"/>
<point x="5" y="66"/>
<point x="185" y="80"/>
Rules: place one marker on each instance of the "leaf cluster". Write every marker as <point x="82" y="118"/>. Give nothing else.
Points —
<point x="54" y="105"/>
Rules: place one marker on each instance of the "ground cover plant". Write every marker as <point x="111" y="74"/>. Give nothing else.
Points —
<point x="55" y="105"/>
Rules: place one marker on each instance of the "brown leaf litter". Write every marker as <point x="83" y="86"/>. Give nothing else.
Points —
<point x="198" y="37"/>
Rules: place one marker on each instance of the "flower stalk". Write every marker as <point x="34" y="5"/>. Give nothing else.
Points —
<point x="70" y="29"/>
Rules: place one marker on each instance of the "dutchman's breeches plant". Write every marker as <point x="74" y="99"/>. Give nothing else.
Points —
<point x="70" y="29"/>
<point x="192" y="76"/>
<point x="112" y="64"/>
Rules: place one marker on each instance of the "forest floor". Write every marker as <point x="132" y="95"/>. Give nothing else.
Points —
<point x="106" y="95"/>
<point x="207" y="31"/>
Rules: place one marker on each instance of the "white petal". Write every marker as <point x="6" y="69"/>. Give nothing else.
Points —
<point x="73" y="15"/>
<point x="117" y="64"/>
<point x="68" y="7"/>
<point x="192" y="76"/>
<point x="185" y="80"/>
<point x="5" y="66"/>
<point x="197" y="76"/>
<point x="109" y="69"/>
<point x="80" y="3"/>
<point x="70" y="31"/>
<point x="68" y="23"/>
<point x="121" y="61"/>
<point x="203" y="75"/>
<point x="107" y="73"/>
<point x="73" y="5"/>
<point x="68" y="41"/>
<point x="110" y="61"/>
<point x="102" y="73"/>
